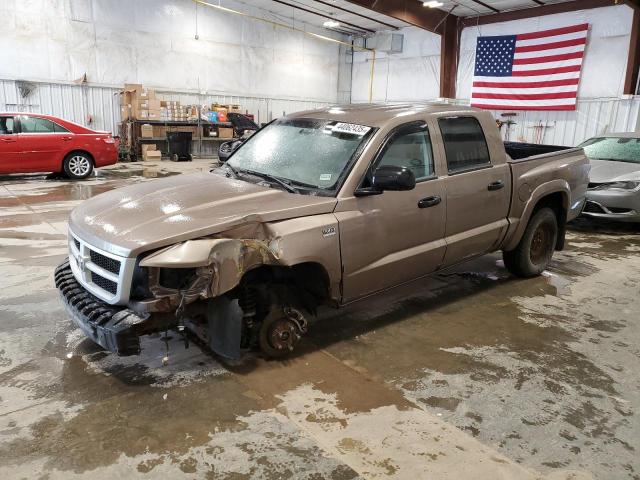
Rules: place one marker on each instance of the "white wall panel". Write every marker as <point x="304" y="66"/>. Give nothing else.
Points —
<point x="153" y="42"/>
<point x="413" y="74"/>
<point x="593" y="117"/>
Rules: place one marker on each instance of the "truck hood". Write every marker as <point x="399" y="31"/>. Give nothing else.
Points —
<point x="138" y="218"/>
<point x="611" y="171"/>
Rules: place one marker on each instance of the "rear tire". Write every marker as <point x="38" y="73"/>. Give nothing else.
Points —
<point x="78" y="165"/>
<point x="533" y="254"/>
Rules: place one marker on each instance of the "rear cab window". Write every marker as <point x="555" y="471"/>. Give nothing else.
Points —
<point x="464" y="143"/>
<point x="40" y="125"/>
<point x="7" y="126"/>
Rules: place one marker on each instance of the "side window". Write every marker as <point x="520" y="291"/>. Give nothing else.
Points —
<point x="464" y="143"/>
<point x="6" y="126"/>
<point x="59" y="129"/>
<point x="411" y="150"/>
<point x="36" y="125"/>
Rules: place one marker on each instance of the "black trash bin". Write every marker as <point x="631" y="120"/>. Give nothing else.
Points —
<point x="179" y="146"/>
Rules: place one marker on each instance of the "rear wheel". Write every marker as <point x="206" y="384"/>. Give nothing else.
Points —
<point x="533" y="254"/>
<point x="78" y="165"/>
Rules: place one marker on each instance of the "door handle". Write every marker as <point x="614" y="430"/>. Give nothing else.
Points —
<point x="429" y="202"/>
<point x="8" y="140"/>
<point x="495" y="185"/>
<point x="67" y="139"/>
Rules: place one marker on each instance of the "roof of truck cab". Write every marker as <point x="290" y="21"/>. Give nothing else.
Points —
<point x="377" y="114"/>
<point x="619" y="135"/>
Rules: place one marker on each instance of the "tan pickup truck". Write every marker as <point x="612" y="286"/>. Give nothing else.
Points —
<point x="322" y="207"/>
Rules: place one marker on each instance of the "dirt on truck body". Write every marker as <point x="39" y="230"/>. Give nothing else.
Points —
<point x="322" y="207"/>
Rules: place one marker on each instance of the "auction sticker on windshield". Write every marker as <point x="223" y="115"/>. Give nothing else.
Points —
<point x="351" y="128"/>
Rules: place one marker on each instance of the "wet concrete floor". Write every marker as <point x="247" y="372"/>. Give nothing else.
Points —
<point x="470" y="373"/>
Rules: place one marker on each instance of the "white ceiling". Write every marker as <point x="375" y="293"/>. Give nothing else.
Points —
<point x="329" y="8"/>
<point x="470" y="8"/>
<point x="364" y="20"/>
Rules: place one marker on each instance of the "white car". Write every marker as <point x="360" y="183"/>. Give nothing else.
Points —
<point x="614" y="181"/>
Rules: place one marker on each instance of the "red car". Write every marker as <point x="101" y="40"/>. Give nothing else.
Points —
<point x="41" y="143"/>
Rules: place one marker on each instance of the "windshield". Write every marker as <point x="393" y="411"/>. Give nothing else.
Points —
<point x="613" y="148"/>
<point x="306" y="152"/>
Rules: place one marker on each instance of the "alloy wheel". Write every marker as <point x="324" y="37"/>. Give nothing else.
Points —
<point x="79" y="165"/>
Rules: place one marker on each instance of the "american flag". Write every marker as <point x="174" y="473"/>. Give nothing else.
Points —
<point x="532" y="71"/>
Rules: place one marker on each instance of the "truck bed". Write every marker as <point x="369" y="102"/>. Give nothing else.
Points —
<point x="519" y="150"/>
<point x="566" y="168"/>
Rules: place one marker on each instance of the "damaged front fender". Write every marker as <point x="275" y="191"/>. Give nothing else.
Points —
<point x="229" y="259"/>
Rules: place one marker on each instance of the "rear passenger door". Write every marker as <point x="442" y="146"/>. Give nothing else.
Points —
<point x="478" y="190"/>
<point x="43" y="144"/>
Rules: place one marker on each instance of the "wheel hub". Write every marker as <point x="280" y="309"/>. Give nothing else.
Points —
<point x="540" y="244"/>
<point x="282" y="335"/>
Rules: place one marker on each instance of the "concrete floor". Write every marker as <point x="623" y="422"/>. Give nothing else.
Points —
<point x="468" y="374"/>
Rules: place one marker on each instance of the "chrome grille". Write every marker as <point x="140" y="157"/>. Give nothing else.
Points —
<point x="101" y="273"/>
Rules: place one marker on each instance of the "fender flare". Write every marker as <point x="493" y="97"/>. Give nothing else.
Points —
<point x="554" y="186"/>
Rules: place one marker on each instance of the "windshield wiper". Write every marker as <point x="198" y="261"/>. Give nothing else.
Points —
<point x="232" y="170"/>
<point x="288" y="187"/>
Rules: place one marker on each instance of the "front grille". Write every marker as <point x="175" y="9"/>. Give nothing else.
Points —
<point x="105" y="284"/>
<point x="593" y="207"/>
<point x="109" y="264"/>
<point x="112" y="283"/>
<point x="619" y="210"/>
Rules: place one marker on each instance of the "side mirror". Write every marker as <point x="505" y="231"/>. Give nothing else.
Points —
<point x="390" y="177"/>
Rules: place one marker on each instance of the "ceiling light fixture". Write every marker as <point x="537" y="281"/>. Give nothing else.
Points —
<point x="331" y="24"/>
<point x="432" y="4"/>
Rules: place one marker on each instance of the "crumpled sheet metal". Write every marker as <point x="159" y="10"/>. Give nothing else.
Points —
<point x="229" y="258"/>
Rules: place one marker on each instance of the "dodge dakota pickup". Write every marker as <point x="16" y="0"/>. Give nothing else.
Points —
<point x="322" y="207"/>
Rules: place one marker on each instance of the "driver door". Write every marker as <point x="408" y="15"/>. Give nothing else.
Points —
<point x="395" y="237"/>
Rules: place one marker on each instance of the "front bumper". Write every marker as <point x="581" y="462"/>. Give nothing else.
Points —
<point x="116" y="329"/>
<point x="618" y="205"/>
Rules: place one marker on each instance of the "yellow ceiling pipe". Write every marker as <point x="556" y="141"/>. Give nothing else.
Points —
<point x="311" y="34"/>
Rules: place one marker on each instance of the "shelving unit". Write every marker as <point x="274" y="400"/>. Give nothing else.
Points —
<point x="200" y="141"/>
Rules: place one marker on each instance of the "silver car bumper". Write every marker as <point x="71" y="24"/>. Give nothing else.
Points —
<point x="618" y="205"/>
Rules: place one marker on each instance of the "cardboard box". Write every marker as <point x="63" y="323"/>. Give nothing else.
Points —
<point x="153" y="104"/>
<point x="159" y="131"/>
<point x="152" y="155"/>
<point x="147" y="147"/>
<point x="225" y="132"/>
<point x="149" y="104"/>
<point x="146" y="94"/>
<point x="146" y="131"/>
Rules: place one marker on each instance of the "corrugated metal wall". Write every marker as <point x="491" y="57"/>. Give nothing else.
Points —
<point x="76" y="103"/>
<point x="71" y="102"/>
<point x="593" y="117"/>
